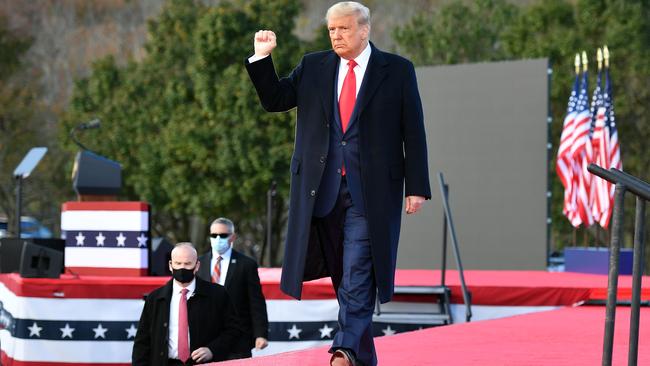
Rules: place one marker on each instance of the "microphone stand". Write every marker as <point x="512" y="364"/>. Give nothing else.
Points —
<point x="95" y="123"/>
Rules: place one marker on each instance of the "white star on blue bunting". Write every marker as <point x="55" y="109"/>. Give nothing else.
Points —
<point x="294" y="332"/>
<point x="120" y="240"/>
<point x="131" y="331"/>
<point x="100" y="239"/>
<point x="100" y="331"/>
<point x="67" y="331"/>
<point x="326" y="331"/>
<point x="80" y="239"/>
<point x="142" y="240"/>
<point x="35" y="330"/>
<point x="388" y="331"/>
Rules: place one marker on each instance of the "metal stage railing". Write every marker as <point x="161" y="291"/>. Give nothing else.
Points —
<point x="448" y="223"/>
<point x="624" y="182"/>
<point x="440" y="313"/>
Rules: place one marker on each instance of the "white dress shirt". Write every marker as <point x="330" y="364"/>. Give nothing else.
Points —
<point x="359" y="70"/>
<point x="173" y="316"/>
<point x="225" y="263"/>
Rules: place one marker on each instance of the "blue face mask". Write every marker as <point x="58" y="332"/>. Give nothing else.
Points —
<point x="221" y="245"/>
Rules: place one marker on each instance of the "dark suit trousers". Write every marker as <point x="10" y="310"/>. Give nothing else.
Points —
<point x="346" y="247"/>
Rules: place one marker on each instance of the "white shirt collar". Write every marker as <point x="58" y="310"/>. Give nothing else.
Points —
<point x="361" y="60"/>
<point x="176" y="288"/>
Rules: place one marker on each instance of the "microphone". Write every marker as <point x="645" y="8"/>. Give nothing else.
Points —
<point x="94" y="123"/>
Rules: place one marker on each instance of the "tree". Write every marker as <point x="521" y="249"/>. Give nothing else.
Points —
<point x="186" y="124"/>
<point x="457" y="33"/>
<point x="21" y="127"/>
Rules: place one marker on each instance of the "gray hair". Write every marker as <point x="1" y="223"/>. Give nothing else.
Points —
<point x="225" y="221"/>
<point x="345" y="8"/>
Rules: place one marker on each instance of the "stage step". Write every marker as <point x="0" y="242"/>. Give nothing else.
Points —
<point x="436" y="311"/>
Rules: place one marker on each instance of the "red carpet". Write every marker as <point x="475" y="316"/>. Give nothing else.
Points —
<point x="570" y="336"/>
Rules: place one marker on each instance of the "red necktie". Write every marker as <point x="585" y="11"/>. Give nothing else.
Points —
<point x="183" y="328"/>
<point x="348" y="95"/>
<point x="217" y="270"/>
<point x="347" y="99"/>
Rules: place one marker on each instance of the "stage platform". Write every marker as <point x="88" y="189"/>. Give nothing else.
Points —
<point x="510" y="288"/>
<point x="570" y="336"/>
<point x="91" y="320"/>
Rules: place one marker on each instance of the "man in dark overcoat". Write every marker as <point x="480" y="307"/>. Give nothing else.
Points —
<point x="360" y="147"/>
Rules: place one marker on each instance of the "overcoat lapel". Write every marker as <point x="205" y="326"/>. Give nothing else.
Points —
<point x="325" y="80"/>
<point x="374" y="76"/>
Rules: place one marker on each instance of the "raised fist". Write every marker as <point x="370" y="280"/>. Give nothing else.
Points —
<point x="264" y="42"/>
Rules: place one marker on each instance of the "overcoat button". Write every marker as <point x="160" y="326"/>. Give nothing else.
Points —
<point x="312" y="193"/>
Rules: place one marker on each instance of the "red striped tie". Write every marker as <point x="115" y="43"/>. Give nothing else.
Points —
<point x="217" y="270"/>
<point x="183" y="328"/>
<point x="347" y="98"/>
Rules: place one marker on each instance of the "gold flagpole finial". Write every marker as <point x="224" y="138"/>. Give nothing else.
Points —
<point x="606" y="55"/>
<point x="585" y="61"/>
<point x="599" y="57"/>
<point x="577" y="63"/>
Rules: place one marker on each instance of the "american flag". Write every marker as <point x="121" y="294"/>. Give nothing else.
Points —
<point x="613" y="148"/>
<point x="564" y="165"/>
<point x="598" y="192"/>
<point x="582" y="143"/>
<point x="572" y="161"/>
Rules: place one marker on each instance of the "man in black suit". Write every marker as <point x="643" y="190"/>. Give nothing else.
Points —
<point x="187" y="321"/>
<point x="360" y="147"/>
<point x="238" y="274"/>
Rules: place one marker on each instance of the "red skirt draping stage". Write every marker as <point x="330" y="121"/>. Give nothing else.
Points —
<point x="87" y="320"/>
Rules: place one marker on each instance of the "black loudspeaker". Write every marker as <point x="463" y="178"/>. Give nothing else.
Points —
<point x="161" y="254"/>
<point x="10" y="252"/>
<point x="40" y="262"/>
<point x="52" y="243"/>
<point x="32" y="257"/>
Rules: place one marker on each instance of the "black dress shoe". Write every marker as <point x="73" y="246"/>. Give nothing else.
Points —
<point x="348" y="355"/>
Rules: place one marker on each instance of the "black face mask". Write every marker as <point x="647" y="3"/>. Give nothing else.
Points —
<point x="183" y="275"/>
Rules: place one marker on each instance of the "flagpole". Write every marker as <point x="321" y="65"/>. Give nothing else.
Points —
<point x="585" y="68"/>
<point x="576" y="63"/>
<point x="599" y="59"/>
<point x="605" y="58"/>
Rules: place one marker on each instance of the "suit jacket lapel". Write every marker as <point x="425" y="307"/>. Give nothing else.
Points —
<point x="374" y="76"/>
<point x="166" y="298"/>
<point x="325" y="79"/>
<point x="232" y="266"/>
<point x="205" y="270"/>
